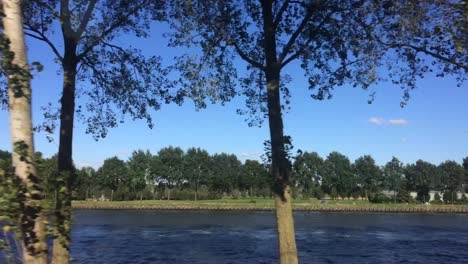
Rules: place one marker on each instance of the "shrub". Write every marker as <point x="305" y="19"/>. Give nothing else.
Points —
<point x="403" y="196"/>
<point x="379" y="198"/>
<point x="437" y="199"/>
<point x="450" y="197"/>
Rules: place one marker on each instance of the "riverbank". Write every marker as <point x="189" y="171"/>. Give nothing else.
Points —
<point x="268" y="205"/>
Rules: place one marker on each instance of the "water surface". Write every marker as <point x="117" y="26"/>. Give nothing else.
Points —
<point x="130" y="236"/>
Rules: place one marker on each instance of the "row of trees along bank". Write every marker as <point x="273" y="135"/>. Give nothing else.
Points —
<point x="355" y="42"/>
<point x="195" y="174"/>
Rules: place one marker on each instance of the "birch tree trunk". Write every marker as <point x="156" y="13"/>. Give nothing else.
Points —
<point x="32" y="217"/>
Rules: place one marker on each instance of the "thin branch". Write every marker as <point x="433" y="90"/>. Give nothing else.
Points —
<point x="51" y="9"/>
<point x="279" y="16"/>
<point x="114" y="47"/>
<point x="86" y="17"/>
<point x="247" y="58"/>
<point x="296" y="34"/>
<point x="433" y="54"/>
<point x="309" y="40"/>
<point x="40" y="36"/>
<point x="107" y="32"/>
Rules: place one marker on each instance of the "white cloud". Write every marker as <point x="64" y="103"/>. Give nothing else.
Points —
<point x="376" y="120"/>
<point x="398" y="122"/>
<point x="382" y="121"/>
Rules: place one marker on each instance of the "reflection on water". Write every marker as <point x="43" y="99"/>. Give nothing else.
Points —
<point x="249" y="237"/>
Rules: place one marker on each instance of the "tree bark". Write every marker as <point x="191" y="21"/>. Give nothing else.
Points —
<point x="280" y="169"/>
<point x="66" y="174"/>
<point x="32" y="217"/>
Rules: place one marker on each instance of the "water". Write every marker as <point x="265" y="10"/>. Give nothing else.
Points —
<point x="121" y="236"/>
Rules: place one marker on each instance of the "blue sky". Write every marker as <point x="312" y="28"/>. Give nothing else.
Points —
<point x="433" y="126"/>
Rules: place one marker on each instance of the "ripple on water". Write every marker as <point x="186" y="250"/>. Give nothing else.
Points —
<point x="320" y="239"/>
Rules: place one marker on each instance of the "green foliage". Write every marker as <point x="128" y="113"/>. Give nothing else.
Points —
<point x="307" y="173"/>
<point x="168" y="167"/>
<point x="338" y="177"/>
<point x="119" y="77"/>
<point x="358" y="49"/>
<point x="113" y="175"/>
<point x="196" y="173"/>
<point x="226" y="171"/>
<point x="369" y="175"/>
<point x="465" y="166"/>
<point x="379" y="198"/>
<point x="9" y="203"/>
<point x="450" y="197"/>
<point x="393" y="175"/>
<point x="421" y="176"/>
<point x="437" y="199"/>
<point x="452" y="176"/>
<point x="403" y="196"/>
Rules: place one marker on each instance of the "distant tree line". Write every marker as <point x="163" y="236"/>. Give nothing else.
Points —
<point x="194" y="174"/>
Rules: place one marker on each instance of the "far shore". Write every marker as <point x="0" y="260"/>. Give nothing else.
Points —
<point x="259" y="204"/>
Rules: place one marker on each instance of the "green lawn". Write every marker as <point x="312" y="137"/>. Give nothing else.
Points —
<point x="259" y="203"/>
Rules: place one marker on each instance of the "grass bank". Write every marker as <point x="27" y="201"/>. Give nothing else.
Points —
<point x="259" y="204"/>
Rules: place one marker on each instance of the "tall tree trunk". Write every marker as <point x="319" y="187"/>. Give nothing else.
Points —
<point x="66" y="174"/>
<point x="196" y="192"/>
<point x="32" y="217"/>
<point x="280" y="168"/>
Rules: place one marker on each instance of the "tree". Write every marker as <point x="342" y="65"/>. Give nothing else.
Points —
<point x="197" y="166"/>
<point x="338" y="177"/>
<point x="169" y="168"/>
<point x="368" y="174"/>
<point x="85" y="182"/>
<point x="393" y="176"/>
<point x="225" y="172"/>
<point x="465" y="166"/>
<point x="119" y="77"/>
<point x="113" y="175"/>
<point x="47" y="168"/>
<point x="307" y="171"/>
<point x="336" y="42"/>
<point x="253" y="175"/>
<point x="421" y="177"/>
<point x="5" y="160"/>
<point x="15" y="63"/>
<point x="139" y="169"/>
<point x="452" y="178"/>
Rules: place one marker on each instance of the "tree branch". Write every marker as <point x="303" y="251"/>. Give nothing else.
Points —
<point x="304" y="46"/>
<point x="279" y="16"/>
<point x="40" y="36"/>
<point x="86" y="17"/>
<point x="107" y="32"/>
<point x="433" y="54"/>
<point x="247" y="58"/>
<point x="296" y="34"/>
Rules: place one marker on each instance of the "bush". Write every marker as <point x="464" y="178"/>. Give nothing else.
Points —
<point x="437" y="199"/>
<point x="464" y="199"/>
<point x="379" y="198"/>
<point x="450" y="197"/>
<point x="403" y="196"/>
